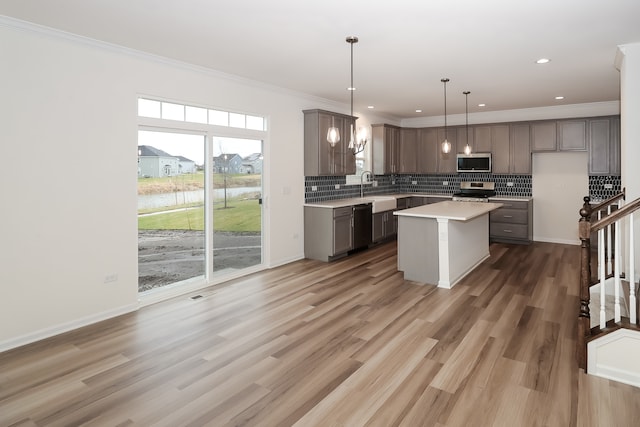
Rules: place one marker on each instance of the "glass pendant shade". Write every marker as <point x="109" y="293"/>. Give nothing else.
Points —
<point x="333" y="136"/>
<point x="446" y="146"/>
<point x="467" y="149"/>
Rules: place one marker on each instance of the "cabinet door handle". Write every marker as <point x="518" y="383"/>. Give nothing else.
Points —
<point x="507" y="231"/>
<point x="507" y="216"/>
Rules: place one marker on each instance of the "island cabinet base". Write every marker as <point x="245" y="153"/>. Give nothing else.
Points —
<point x="441" y="251"/>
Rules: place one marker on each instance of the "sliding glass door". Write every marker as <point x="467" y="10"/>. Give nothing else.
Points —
<point x="171" y="195"/>
<point x="199" y="214"/>
<point x="237" y="204"/>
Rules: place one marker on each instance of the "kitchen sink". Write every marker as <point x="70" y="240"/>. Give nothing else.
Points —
<point x="382" y="203"/>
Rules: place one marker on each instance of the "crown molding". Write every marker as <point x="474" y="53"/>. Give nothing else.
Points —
<point x="593" y="109"/>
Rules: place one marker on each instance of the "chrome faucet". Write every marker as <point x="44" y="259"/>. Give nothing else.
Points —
<point x="362" y="181"/>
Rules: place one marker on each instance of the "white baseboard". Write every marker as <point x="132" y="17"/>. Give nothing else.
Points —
<point x="614" y="357"/>
<point x="65" y="327"/>
<point x="554" y="240"/>
<point x="284" y="261"/>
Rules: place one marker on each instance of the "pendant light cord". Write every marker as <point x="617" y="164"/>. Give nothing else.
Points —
<point x="466" y="111"/>
<point x="352" y="89"/>
<point x="445" y="80"/>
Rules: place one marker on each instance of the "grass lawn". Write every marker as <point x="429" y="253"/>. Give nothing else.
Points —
<point x="239" y="216"/>
<point x="195" y="181"/>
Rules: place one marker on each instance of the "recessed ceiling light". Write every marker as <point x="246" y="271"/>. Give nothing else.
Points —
<point x="371" y="107"/>
<point x="559" y="97"/>
<point x="543" y="61"/>
<point x="418" y="111"/>
<point x="482" y="105"/>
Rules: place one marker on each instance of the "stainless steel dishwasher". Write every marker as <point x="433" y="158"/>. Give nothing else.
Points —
<point x="361" y="226"/>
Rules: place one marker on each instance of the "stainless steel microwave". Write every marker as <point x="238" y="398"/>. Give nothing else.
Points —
<point x="475" y="162"/>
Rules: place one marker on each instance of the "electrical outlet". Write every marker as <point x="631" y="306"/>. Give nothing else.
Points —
<point x="414" y="182"/>
<point x="375" y="183"/>
<point x="509" y="184"/>
<point x="608" y="186"/>
<point x="109" y="278"/>
<point x="337" y="186"/>
<point x="445" y="182"/>
<point x="314" y="188"/>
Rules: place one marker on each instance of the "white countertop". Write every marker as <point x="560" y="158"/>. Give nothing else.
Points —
<point x="338" y="203"/>
<point x="457" y="211"/>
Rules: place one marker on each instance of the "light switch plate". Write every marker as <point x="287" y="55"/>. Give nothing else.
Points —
<point x="337" y="186"/>
<point x="608" y="186"/>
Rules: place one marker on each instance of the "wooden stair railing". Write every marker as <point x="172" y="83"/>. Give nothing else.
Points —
<point x="609" y="224"/>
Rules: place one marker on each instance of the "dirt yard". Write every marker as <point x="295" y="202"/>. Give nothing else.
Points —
<point x="169" y="256"/>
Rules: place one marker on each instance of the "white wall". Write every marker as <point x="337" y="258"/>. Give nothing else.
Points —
<point x="69" y="204"/>
<point x="628" y="62"/>
<point x="559" y="182"/>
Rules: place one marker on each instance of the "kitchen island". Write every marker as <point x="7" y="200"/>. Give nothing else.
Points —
<point x="442" y="242"/>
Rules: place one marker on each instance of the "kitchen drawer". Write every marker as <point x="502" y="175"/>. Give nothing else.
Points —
<point x="512" y="204"/>
<point x="512" y="216"/>
<point x="509" y="231"/>
<point x="343" y="211"/>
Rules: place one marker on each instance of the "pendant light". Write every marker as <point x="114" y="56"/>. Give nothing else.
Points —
<point x="467" y="148"/>
<point x="446" y="145"/>
<point x="333" y="134"/>
<point x="357" y="138"/>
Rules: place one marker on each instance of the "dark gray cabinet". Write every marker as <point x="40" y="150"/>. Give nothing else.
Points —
<point x="428" y="150"/>
<point x="482" y="139"/>
<point x="603" y="135"/>
<point x="544" y="136"/>
<point x="408" y="157"/>
<point x="328" y="233"/>
<point x="500" y="150"/>
<point x="384" y="226"/>
<point x="520" y="149"/>
<point x="512" y="223"/>
<point x="572" y="135"/>
<point x="385" y="149"/>
<point x="319" y="157"/>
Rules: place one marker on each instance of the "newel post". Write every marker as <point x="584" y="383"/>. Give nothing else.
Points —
<point x="584" y="317"/>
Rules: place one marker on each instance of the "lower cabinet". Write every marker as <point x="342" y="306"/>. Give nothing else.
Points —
<point x="384" y="226"/>
<point x="328" y="233"/>
<point x="512" y="223"/>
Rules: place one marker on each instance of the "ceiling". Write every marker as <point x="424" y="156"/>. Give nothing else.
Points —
<point x="487" y="47"/>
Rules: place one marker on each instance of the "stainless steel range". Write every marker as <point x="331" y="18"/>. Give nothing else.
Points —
<point x="471" y="191"/>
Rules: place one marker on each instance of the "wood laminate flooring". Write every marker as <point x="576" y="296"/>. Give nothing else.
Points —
<point x="349" y="343"/>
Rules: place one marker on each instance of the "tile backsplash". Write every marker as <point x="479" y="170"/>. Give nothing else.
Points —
<point x="602" y="187"/>
<point x="322" y="188"/>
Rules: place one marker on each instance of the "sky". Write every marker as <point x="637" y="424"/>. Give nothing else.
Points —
<point x="192" y="146"/>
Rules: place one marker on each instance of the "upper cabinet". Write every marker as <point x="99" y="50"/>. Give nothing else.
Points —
<point x="319" y="157"/>
<point x="408" y="150"/>
<point x="572" y="135"/>
<point x="603" y="135"/>
<point x="385" y="149"/>
<point x="559" y="135"/>
<point x="544" y="136"/>
<point x="500" y="149"/>
<point x="520" y="149"/>
<point x="482" y="139"/>
<point x="428" y="150"/>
